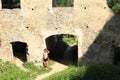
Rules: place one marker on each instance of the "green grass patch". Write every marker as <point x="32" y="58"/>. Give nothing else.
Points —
<point x="68" y="74"/>
<point x="9" y="71"/>
<point x="88" y="72"/>
<point x="34" y="69"/>
<point x="51" y="62"/>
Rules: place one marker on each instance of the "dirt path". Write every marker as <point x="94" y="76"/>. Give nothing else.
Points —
<point x="57" y="67"/>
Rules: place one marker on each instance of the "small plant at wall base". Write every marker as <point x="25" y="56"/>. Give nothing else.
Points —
<point x="114" y="5"/>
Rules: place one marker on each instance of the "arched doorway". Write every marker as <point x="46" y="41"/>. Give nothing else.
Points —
<point x="63" y="48"/>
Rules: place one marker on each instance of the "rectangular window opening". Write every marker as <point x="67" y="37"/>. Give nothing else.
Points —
<point x="10" y="4"/>
<point x="62" y="3"/>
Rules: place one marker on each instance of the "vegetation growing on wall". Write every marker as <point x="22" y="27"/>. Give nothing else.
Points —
<point x="63" y="3"/>
<point x="70" y="39"/>
<point x="114" y="5"/>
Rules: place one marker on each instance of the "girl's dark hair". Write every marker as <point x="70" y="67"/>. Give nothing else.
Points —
<point x="45" y="49"/>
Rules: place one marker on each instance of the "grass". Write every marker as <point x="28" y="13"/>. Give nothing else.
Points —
<point x="51" y="62"/>
<point x="88" y="72"/>
<point x="9" y="71"/>
<point x="35" y="70"/>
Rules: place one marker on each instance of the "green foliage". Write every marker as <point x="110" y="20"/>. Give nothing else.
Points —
<point x="63" y="3"/>
<point x="102" y="72"/>
<point x="68" y="74"/>
<point x="0" y="60"/>
<point x="69" y="39"/>
<point x="114" y="5"/>
<point x="35" y="70"/>
<point x="88" y="72"/>
<point x="9" y="71"/>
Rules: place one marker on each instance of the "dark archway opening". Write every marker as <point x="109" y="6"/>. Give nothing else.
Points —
<point x="20" y="50"/>
<point x="117" y="55"/>
<point x="63" y="48"/>
<point x="116" y="47"/>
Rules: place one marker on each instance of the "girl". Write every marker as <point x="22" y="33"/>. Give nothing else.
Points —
<point x="45" y="58"/>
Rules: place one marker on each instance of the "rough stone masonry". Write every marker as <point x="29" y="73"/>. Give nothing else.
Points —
<point x="92" y="21"/>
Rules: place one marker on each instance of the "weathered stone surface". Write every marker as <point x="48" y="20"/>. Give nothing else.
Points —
<point x="89" y="20"/>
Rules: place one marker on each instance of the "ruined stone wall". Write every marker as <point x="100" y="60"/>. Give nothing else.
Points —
<point x="23" y="25"/>
<point x="37" y="20"/>
<point x="93" y="17"/>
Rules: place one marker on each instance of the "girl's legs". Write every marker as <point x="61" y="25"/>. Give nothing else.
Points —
<point x="47" y="64"/>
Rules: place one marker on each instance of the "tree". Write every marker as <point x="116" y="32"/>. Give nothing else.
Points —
<point x="114" y="5"/>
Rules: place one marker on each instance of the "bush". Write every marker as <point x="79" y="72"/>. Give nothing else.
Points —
<point x="70" y="39"/>
<point x="9" y="71"/>
<point x="114" y="5"/>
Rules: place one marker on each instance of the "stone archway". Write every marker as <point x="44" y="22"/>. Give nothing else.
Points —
<point x="63" y="48"/>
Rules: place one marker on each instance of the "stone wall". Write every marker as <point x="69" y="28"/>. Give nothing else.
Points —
<point x="37" y="20"/>
<point x="92" y="17"/>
